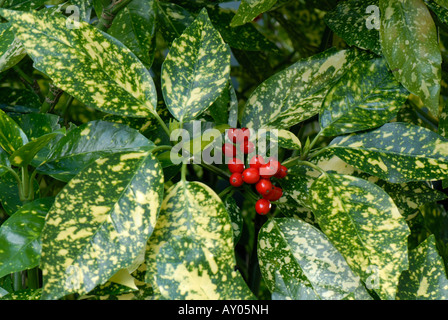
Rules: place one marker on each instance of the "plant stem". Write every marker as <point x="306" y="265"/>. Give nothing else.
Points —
<point x="51" y="99"/>
<point x="216" y="170"/>
<point x="183" y="172"/>
<point x="17" y="281"/>
<point x="310" y="146"/>
<point x="229" y="189"/>
<point x="33" y="278"/>
<point x="22" y="74"/>
<point x="162" y="123"/>
<point x="311" y="165"/>
<point x="109" y="13"/>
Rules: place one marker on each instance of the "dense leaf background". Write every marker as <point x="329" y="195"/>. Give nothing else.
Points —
<point x="353" y="93"/>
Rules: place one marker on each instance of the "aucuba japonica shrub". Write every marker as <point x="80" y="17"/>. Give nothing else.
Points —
<point x="326" y="123"/>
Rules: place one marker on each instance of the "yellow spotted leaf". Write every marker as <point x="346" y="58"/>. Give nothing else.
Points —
<point x="196" y="70"/>
<point x="191" y="253"/>
<point x="365" y="225"/>
<point x="88" y="64"/>
<point x="100" y="222"/>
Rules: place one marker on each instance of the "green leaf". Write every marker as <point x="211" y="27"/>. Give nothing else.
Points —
<point x="11" y="135"/>
<point x="19" y="97"/>
<point x="440" y="8"/>
<point x="225" y="109"/>
<point x="396" y="152"/>
<point x="35" y="125"/>
<point x="23" y="156"/>
<point x="28" y="294"/>
<point x="367" y="96"/>
<point x="187" y="270"/>
<point x="91" y="66"/>
<point x="426" y="278"/>
<point x="20" y="237"/>
<point x="364" y="224"/>
<point x="349" y="21"/>
<point x="191" y="252"/>
<point x="296" y="93"/>
<point x="172" y="20"/>
<point x="203" y="59"/>
<point x="23" y="5"/>
<point x="249" y="10"/>
<point x="298" y="262"/>
<point x="409" y="43"/>
<point x="100" y="222"/>
<point x="283" y="138"/>
<point x="11" y="51"/>
<point x="245" y="37"/>
<point x="9" y="193"/>
<point x="135" y="27"/>
<point x="88" y="142"/>
<point x="235" y="217"/>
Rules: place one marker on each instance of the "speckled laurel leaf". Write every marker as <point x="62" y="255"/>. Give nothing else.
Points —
<point x="11" y="51"/>
<point x="100" y="222"/>
<point x="296" y="93"/>
<point x="27" y="294"/>
<point x="349" y="20"/>
<point x="4" y="162"/>
<point x="196" y="70"/>
<point x="440" y="8"/>
<point x="25" y="154"/>
<point x="367" y="96"/>
<point x="20" y="244"/>
<point x="22" y="5"/>
<point x="298" y="262"/>
<point x="90" y="65"/>
<point x="88" y="142"/>
<point x="426" y="278"/>
<point x="10" y="97"/>
<point x="194" y="212"/>
<point x="283" y="138"/>
<point x="396" y="152"/>
<point x="12" y="136"/>
<point x="249" y="10"/>
<point x="187" y="271"/>
<point x="135" y="27"/>
<point x="409" y="43"/>
<point x="225" y="108"/>
<point x="364" y="224"/>
<point x="172" y="20"/>
<point x="235" y="215"/>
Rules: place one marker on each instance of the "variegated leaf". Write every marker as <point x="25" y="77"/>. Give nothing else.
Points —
<point x="192" y="213"/>
<point x="296" y="93"/>
<point x="196" y="70"/>
<point x="426" y="278"/>
<point x="352" y="21"/>
<point x="283" y="138"/>
<point x="88" y="142"/>
<point x="235" y="215"/>
<point x="172" y="20"/>
<point x="100" y="222"/>
<point x="298" y="262"/>
<point x="89" y="65"/>
<point x="367" y="96"/>
<point x="12" y="136"/>
<point x="25" y="154"/>
<point x="28" y="294"/>
<point x="396" y="152"/>
<point x="20" y="244"/>
<point x="249" y="10"/>
<point x="364" y="224"/>
<point x="440" y="8"/>
<point x="11" y="50"/>
<point x="409" y="43"/>
<point x="135" y="27"/>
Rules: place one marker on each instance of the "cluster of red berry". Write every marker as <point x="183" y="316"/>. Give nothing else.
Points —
<point x="259" y="172"/>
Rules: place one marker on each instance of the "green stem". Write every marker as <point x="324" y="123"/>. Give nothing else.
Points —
<point x="183" y="172"/>
<point x="51" y="99"/>
<point x="310" y="146"/>
<point x="17" y="281"/>
<point x="21" y="73"/>
<point x="33" y="278"/>
<point x="25" y="184"/>
<point x="216" y="170"/>
<point x="66" y="108"/>
<point x="229" y="189"/>
<point x="161" y="148"/>
<point x="109" y="13"/>
<point x="162" y="123"/>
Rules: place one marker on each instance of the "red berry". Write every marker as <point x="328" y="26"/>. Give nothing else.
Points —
<point x="235" y="165"/>
<point x="262" y="206"/>
<point x="264" y="187"/>
<point x="256" y="162"/>
<point x="229" y="150"/>
<point x="251" y="175"/>
<point x="232" y="134"/>
<point x="269" y="169"/>
<point x="247" y="147"/>
<point x="274" y="195"/>
<point x="282" y="172"/>
<point x="238" y="135"/>
<point x="236" y="179"/>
